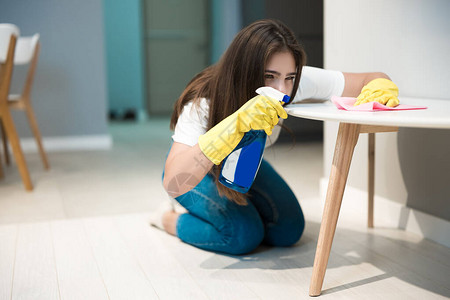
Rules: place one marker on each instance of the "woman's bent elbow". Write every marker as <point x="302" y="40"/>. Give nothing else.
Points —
<point x="179" y="184"/>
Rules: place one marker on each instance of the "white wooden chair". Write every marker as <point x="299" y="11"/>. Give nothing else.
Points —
<point x="27" y="52"/>
<point x="8" y="39"/>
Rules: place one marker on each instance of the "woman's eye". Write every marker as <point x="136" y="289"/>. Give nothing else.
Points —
<point x="268" y="76"/>
<point x="290" y="78"/>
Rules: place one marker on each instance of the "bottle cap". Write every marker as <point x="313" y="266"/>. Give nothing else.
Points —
<point x="273" y="93"/>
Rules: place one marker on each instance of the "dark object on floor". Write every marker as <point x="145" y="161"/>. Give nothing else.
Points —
<point x="127" y="115"/>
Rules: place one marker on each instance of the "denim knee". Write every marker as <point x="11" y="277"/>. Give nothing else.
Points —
<point x="246" y="237"/>
<point x="286" y="232"/>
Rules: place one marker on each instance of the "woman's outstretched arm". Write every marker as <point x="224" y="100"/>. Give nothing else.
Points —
<point x="354" y="82"/>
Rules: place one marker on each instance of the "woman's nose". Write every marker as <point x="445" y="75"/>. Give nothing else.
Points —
<point x="282" y="87"/>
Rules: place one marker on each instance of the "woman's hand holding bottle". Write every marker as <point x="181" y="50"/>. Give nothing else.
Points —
<point x="258" y="113"/>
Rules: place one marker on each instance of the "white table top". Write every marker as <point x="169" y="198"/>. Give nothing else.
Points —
<point x="437" y="115"/>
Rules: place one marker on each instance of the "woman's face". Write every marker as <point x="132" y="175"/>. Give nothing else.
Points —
<point x="280" y="72"/>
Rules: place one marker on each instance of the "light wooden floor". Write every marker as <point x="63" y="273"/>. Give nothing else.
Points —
<point x="83" y="234"/>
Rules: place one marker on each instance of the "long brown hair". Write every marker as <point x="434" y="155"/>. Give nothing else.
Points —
<point x="240" y="71"/>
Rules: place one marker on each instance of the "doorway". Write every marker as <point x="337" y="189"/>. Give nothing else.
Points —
<point x="176" y="45"/>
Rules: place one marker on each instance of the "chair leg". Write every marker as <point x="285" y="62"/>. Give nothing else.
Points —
<point x="37" y="135"/>
<point x="13" y="138"/>
<point x="5" y="144"/>
<point x="345" y="144"/>
<point x="371" y="179"/>
<point x="1" y="167"/>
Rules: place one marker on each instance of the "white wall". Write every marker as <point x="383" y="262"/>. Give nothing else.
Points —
<point x="69" y="95"/>
<point x="410" y="41"/>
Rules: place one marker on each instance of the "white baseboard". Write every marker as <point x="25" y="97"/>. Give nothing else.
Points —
<point x="392" y="214"/>
<point x="68" y="143"/>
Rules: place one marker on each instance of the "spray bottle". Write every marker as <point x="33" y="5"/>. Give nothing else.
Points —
<point x="241" y="166"/>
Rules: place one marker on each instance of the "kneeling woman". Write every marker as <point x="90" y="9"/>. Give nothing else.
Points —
<point x="208" y="124"/>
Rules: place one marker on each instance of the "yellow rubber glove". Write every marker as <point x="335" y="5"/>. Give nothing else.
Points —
<point x="258" y="113"/>
<point x="380" y="90"/>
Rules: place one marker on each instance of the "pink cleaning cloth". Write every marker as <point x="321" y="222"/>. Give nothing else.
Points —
<point x="346" y="103"/>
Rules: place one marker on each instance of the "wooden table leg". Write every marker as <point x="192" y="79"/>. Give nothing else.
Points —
<point x="345" y="144"/>
<point x="371" y="180"/>
<point x="371" y="130"/>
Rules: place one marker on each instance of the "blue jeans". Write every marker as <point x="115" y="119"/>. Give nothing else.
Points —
<point x="273" y="216"/>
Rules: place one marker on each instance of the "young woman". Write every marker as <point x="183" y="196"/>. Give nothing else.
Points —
<point x="211" y="118"/>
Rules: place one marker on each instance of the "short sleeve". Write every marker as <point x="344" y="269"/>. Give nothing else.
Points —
<point x="317" y="83"/>
<point x="192" y="122"/>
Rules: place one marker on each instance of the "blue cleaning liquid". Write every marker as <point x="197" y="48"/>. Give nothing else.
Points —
<point x="241" y="166"/>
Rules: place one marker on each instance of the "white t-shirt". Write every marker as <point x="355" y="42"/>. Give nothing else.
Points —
<point x="315" y="83"/>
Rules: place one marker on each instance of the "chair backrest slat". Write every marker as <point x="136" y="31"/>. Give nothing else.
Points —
<point x="25" y="49"/>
